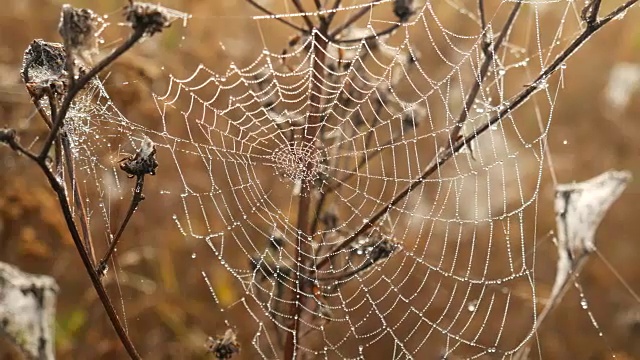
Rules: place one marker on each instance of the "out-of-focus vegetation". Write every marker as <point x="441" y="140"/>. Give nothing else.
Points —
<point x="169" y="310"/>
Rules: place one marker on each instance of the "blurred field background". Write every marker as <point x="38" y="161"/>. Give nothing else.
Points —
<point x="169" y="309"/>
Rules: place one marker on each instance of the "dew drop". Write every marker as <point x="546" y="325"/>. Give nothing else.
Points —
<point x="584" y="303"/>
<point x="565" y="142"/>
<point x="193" y="255"/>
<point x="491" y="350"/>
<point x="472" y="305"/>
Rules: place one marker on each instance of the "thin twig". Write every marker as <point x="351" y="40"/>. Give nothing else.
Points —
<point x="455" y="147"/>
<point x="590" y="11"/>
<point x="77" y="198"/>
<point x="302" y="11"/>
<point x="268" y="12"/>
<point x="484" y="70"/>
<point x="334" y="11"/>
<point x="135" y="201"/>
<point x="355" y="17"/>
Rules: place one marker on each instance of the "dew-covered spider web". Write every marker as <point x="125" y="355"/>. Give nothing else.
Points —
<point x="315" y="174"/>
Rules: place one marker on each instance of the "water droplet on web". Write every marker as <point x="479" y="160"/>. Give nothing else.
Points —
<point x="491" y="350"/>
<point x="563" y="66"/>
<point x="360" y="348"/>
<point x="501" y="72"/>
<point x="565" y="142"/>
<point x="584" y="303"/>
<point x="472" y="305"/>
<point x="494" y="127"/>
<point x="193" y="255"/>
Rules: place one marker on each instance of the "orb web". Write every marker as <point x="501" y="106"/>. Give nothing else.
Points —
<point x="347" y="123"/>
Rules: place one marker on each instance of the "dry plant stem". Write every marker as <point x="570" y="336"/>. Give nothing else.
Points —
<point x="303" y="248"/>
<point x="302" y="11"/>
<point x="335" y="7"/>
<point x="443" y="156"/>
<point x="9" y="138"/>
<point x="592" y="9"/>
<point x="77" y="199"/>
<point x="355" y="17"/>
<point x="78" y="84"/>
<point x="135" y="201"/>
<point x="57" y="145"/>
<point x="523" y="352"/>
<point x="482" y="16"/>
<point x="268" y="12"/>
<point x="62" y="145"/>
<point x="484" y="69"/>
<point x="67" y="14"/>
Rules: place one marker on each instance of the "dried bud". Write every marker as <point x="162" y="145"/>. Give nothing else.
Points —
<point x="80" y="29"/>
<point x="403" y="9"/>
<point x="148" y="17"/>
<point x="223" y="347"/>
<point x="144" y="162"/>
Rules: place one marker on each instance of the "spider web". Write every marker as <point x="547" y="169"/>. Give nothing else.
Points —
<point x="447" y="270"/>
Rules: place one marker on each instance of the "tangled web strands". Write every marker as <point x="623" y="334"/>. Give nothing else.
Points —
<point x="447" y="269"/>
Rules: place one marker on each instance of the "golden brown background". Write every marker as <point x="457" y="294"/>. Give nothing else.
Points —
<point x="172" y="313"/>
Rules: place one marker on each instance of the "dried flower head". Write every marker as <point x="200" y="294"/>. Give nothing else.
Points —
<point x="148" y="17"/>
<point x="143" y="162"/>
<point x="80" y="29"/>
<point x="43" y="70"/>
<point x="43" y="60"/>
<point x="223" y="347"/>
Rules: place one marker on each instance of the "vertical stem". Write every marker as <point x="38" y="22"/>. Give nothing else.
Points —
<point x="303" y="248"/>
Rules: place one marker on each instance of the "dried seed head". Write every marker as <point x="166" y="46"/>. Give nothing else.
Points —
<point x="223" y="347"/>
<point x="143" y="162"/>
<point x="43" y="70"/>
<point x="43" y="60"/>
<point x="80" y="29"/>
<point x="403" y="9"/>
<point x="148" y="17"/>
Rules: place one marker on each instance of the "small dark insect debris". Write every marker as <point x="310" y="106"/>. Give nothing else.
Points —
<point x="276" y="241"/>
<point x="223" y="347"/>
<point x="382" y="250"/>
<point x="152" y="18"/>
<point x="408" y="121"/>
<point x="143" y="162"/>
<point x="403" y="9"/>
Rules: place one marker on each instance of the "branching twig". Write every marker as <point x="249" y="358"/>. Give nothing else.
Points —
<point x="355" y="17"/>
<point x="446" y="154"/>
<point x="484" y="69"/>
<point x="135" y="201"/>
<point x="302" y="11"/>
<point x="268" y="12"/>
<point x="9" y="137"/>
